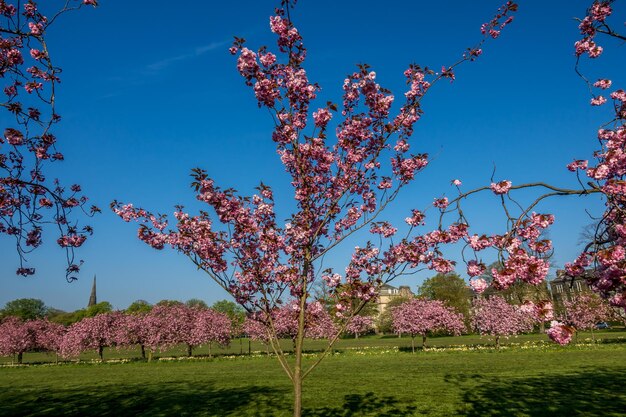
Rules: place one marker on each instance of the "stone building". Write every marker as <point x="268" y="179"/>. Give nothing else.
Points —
<point x="388" y="293"/>
<point x="564" y="287"/>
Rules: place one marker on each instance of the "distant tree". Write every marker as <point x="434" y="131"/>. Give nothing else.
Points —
<point x="495" y="317"/>
<point x="196" y="302"/>
<point x="585" y="310"/>
<point x="168" y="303"/>
<point x="25" y="309"/>
<point x="449" y="288"/>
<point x="91" y="333"/>
<point x="48" y="335"/>
<point x="426" y="317"/>
<point x="100" y="308"/>
<point x="131" y="329"/>
<point x="16" y="337"/>
<point x="139" y="307"/>
<point x="359" y="325"/>
<point x="210" y="326"/>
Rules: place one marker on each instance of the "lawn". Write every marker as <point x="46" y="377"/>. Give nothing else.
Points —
<point x="525" y="378"/>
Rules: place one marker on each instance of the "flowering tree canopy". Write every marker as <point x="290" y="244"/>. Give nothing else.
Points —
<point x="424" y="317"/>
<point x="359" y="325"/>
<point x="28" y="199"/>
<point x="585" y="310"/>
<point x="495" y="317"/>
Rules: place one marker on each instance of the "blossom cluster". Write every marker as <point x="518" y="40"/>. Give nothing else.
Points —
<point x="28" y="198"/>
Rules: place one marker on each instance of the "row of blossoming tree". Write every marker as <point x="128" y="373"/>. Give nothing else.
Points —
<point x="165" y="326"/>
<point x="342" y="183"/>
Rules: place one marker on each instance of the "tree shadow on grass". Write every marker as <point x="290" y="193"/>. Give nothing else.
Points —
<point x="157" y="399"/>
<point x="589" y="392"/>
<point x="364" y="405"/>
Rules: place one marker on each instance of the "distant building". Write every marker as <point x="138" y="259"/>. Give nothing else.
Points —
<point x="93" y="300"/>
<point x="564" y="287"/>
<point x="388" y="293"/>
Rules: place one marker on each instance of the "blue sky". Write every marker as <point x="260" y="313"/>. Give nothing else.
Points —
<point x="150" y="91"/>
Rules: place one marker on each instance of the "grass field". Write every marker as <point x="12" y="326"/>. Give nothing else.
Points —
<point x="526" y="378"/>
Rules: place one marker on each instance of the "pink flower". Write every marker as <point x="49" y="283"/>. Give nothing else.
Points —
<point x="501" y="187"/>
<point x="479" y="285"/>
<point x="456" y="182"/>
<point x="560" y="333"/>
<point x="35" y="28"/>
<point x="577" y="164"/>
<point x="598" y="101"/>
<point x="441" y="203"/>
<point x="619" y="95"/>
<point x="603" y="84"/>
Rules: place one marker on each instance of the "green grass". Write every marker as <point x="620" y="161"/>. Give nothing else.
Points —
<point x="523" y="379"/>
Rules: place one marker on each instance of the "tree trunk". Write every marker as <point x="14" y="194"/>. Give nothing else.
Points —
<point x="101" y="352"/>
<point x="542" y="327"/>
<point x="19" y="358"/>
<point x="150" y="355"/>
<point x="423" y="342"/>
<point x="143" y="352"/>
<point x="593" y="337"/>
<point x="412" y="343"/>
<point x="240" y="346"/>
<point x="189" y="350"/>
<point x="497" y="341"/>
<point x="356" y="336"/>
<point x="210" y="356"/>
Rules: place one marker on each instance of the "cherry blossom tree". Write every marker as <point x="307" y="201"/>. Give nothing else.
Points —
<point x="341" y="185"/>
<point x="209" y="327"/>
<point x="585" y="310"/>
<point x="132" y="329"/>
<point x="359" y="325"/>
<point x="426" y="317"/>
<point x="16" y="337"/>
<point x="493" y="316"/>
<point x="92" y="333"/>
<point x="256" y="330"/>
<point x="29" y="200"/>
<point x="48" y="335"/>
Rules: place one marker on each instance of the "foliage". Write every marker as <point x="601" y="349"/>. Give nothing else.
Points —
<point x="25" y="309"/>
<point x="139" y="307"/>
<point x="196" y="303"/>
<point x="449" y="288"/>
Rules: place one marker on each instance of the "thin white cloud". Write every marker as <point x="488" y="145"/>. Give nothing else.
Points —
<point x="198" y="51"/>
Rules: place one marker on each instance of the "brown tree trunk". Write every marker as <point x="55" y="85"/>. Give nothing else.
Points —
<point x="497" y="341"/>
<point x="101" y="352"/>
<point x="412" y="343"/>
<point x="423" y="342"/>
<point x="189" y="350"/>
<point x="150" y="355"/>
<point x="210" y="355"/>
<point x="143" y="352"/>
<point x="19" y="357"/>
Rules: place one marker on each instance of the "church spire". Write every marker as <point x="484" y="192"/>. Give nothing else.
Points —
<point x="92" y="299"/>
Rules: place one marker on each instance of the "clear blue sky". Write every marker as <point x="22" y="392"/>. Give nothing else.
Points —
<point x="149" y="91"/>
